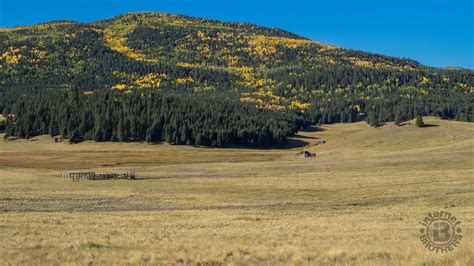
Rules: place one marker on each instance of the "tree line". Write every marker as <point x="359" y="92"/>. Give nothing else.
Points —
<point x="149" y="115"/>
<point x="212" y="119"/>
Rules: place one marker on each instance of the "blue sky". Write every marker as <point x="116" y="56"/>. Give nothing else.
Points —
<point x="434" y="32"/>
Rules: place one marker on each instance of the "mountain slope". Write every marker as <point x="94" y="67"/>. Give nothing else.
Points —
<point x="273" y="68"/>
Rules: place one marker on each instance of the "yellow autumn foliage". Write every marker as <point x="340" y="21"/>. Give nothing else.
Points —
<point x="117" y="43"/>
<point x="119" y="87"/>
<point x="12" y="56"/>
<point x="221" y="36"/>
<point x="247" y="99"/>
<point x="325" y="47"/>
<point x="259" y="83"/>
<point x="300" y="106"/>
<point x="39" y="55"/>
<point x="259" y="103"/>
<point x="266" y="45"/>
<point x="424" y="80"/>
<point x="357" y="108"/>
<point x="125" y="75"/>
<point x="152" y="80"/>
<point x="233" y="60"/>
<point x="203" y="36"/>
<point x="204" y="50"/>
<point x="423" y="91"/>
<point x="329" y="60"/>
<point x="377" y="65"/>
<point x="204" y="88"/>
<point x="184" y="80"/>
<point x="466" y="87"/>
<point x="267" y="100"/>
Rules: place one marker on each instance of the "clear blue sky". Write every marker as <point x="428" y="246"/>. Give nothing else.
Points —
<point x="433" y="32"/>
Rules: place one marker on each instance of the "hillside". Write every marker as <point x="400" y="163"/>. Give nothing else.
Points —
<point x="141" y="50"/>
<point x="270" y="69"/>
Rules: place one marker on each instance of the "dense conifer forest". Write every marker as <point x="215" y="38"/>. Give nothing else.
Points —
<point x="148" y="115"/>
<point x="158" y="77"/>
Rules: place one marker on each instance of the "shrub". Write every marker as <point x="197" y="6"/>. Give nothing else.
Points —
<point x="419" y="122"/>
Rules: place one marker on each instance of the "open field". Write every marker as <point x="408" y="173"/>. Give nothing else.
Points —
<point x="359" y="202"/>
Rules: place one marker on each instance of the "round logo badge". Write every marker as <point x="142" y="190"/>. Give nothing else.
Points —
<point x="440" y="232"/>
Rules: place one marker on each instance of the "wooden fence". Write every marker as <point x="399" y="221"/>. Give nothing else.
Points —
<point x="130" y="174"/>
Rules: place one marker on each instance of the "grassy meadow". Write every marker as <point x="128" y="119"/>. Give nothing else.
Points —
<point x="358" y="202"/>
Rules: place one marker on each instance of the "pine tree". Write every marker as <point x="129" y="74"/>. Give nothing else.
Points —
<point x="74" y="136"/>
<point x="398" y="120"/>
<point x="419" y="121"/>
<point x="150" y="135"/>
<point x="372" y="120"/>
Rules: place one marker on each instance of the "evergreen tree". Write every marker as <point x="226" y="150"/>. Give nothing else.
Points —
<point x="419" y="121"/>
<point x="74" y="136"/>
<point x="372" y="120"/>
<point x="398" y="120"/>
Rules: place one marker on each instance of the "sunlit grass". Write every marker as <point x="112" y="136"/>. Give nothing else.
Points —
<point x="358" y="202"/>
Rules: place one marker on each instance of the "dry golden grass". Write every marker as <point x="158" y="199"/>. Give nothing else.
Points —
<point x="358" y="202"/>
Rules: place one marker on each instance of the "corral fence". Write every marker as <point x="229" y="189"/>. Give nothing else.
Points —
<point x="130" y="174"/>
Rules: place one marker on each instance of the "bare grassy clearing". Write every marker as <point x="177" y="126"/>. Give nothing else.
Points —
<point x="359" y="201"/>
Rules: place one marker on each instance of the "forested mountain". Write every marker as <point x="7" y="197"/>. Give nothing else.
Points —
<point x="168" y="57"/>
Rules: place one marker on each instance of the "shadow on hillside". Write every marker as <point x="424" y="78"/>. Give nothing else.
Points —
<point x="297" y="140"/>
<point x="430" y="125"/>
<point x="298" y="136"/>
<point x="313" y="129"/>
<point x="293" y="143"/>
<point x="426" y="125"/>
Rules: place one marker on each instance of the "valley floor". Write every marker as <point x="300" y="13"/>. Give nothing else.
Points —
<point x="359" y="201"/>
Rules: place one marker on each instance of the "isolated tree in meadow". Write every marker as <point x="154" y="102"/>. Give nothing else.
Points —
<point x="419" y="121"/>
<point x="149" y="135"/>
<point x="398" y="120"/>
<point x="74" y="136"/>
<point x="372" y="120"/>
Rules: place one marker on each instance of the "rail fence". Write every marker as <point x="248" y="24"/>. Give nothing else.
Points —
<point x="130" y="174"/>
